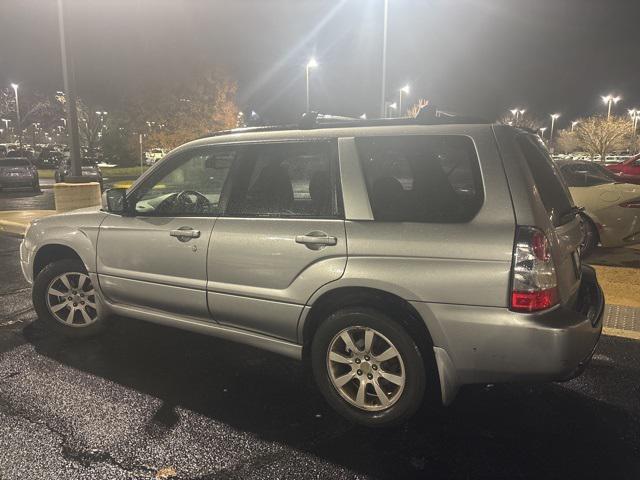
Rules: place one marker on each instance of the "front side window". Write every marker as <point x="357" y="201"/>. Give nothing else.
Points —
<point x="422" y="178"/>
<point x="584" y="175"/>
<point x="192" y="185"/>
<point x="296" y="179"/>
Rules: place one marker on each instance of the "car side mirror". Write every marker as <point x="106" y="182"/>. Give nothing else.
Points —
<point x="114" y="200"/>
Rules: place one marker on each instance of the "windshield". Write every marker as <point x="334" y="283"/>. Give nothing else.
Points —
<point x="585" y="175"/>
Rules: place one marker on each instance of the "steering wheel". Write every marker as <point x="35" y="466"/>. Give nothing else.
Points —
<point x="192" y="201"/>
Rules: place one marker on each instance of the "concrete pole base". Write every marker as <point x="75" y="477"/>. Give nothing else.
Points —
<point x="71" y="196"/>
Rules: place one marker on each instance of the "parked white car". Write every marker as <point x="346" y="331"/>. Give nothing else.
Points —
<point x="611" y="209"/>
<point x="153" y="155"/>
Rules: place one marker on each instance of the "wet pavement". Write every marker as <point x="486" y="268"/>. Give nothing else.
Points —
<point x="143" y="398"/>
<point x="145" y="401"/>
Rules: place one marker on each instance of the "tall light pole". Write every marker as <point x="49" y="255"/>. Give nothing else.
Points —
<point x="635" y="116"/>
<point x="310" y="64"/>
<point x="609" y="100"/>
<point x="554" y="117"/>
<point x="542" y="130"/>
<point x="70" y="90"/>
<point x="383" y="93"/>
<point x="19" y="122"/>
<point x="573" y="124"/>
<point x="404" y="90"/>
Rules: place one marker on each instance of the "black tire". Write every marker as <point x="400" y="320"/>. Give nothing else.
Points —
<point x="412" y="394"/>
<point x="40" y="296"/>
<point x="590" y="239"/>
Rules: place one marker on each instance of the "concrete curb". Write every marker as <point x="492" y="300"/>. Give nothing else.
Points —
<point x="14" y="229"/>
<point x="615" y="332"/>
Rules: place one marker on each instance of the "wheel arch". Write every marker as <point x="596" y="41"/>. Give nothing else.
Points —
<point x="53" y="252"/>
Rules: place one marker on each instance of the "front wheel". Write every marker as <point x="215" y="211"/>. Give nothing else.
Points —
<point x="368" y="367"/>
<point x="65" y="299"/>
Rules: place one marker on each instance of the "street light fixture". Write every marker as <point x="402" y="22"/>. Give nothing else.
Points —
<point x="542" y="130"/>
<point x="573" y="124"/>
<point x="15" y="91"/>
<point x="609" y="100"/>
<point x="404" y="90"/>
<point x="515" y="112"/>
<point x="554" y="117"/>
<point x="312" y="63"/>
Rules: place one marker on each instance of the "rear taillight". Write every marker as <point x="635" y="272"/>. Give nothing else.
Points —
<point x="534" y="285"/>
<point x="635" y="203"/>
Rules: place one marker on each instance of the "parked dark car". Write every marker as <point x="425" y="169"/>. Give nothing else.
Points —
<point x="16" y="172"/>
<point x="90" y="170"/>
<point x="49" y="158"/>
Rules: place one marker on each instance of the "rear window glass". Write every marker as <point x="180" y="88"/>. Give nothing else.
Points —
<point x="14" y="162"/>
<point x="554" y="195"/>
<point x="422" y="178"/>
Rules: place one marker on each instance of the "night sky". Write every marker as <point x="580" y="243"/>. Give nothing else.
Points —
<point x="474" y="56"/>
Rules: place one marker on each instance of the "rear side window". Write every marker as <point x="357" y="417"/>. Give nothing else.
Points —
<point x="422" y="178"/>
<point x="555" y="196"/>
<point x="296" y="179"/>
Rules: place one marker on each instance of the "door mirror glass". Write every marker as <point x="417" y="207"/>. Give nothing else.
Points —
<point x="114" y="200"/>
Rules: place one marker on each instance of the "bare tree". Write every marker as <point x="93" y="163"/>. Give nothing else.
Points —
<point x="567" y="141"/>
<point x="416" y="107"/>
<point x="600" y="135"/>
<point x="89" y="125"/>
<point x="525" y="120"/>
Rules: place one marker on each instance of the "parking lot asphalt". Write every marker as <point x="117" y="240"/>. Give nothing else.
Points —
<point x="145" y="401"/>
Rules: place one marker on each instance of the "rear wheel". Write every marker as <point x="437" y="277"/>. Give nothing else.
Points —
<point x="368" y="367"/>
<point x="65" y="299"/>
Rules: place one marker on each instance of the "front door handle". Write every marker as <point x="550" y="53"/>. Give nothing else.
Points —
<point x="316" y="240"/>
<point x="185" y="233"/>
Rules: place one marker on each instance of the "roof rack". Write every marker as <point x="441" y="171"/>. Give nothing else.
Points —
<point x="313" y="120"/>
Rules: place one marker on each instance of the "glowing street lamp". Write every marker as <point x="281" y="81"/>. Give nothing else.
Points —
<point x="609" y="100"/>
<point x="310" y="64"/>
<point x="390" y="106"/>
<point x="554" y="117"/>
<point x="6" y="123"/>
<point x="404" y="90"/>
<point x="515" y="112"/>
<point x="15" y="91"/>
<point x="542" y="130"/>
<point x="363" y="116"/>
<point x="573" y="124"/>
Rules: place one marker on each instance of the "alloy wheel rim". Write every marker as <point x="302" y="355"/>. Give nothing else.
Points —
<point x="71" y="299"/>
<point x="366" y="368"/>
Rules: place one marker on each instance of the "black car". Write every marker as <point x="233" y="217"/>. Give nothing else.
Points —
<point x="18" y="172"/>
<point x="49" y="158"/>
<point x="90" y="170"/>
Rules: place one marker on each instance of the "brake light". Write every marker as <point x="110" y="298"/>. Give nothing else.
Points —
<point x="635" y="203"/>
<point x="534" y="285"/>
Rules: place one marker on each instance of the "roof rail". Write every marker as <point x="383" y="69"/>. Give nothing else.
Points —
<point x="313" y="120"/>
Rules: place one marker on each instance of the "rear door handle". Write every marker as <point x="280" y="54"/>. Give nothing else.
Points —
<point x="185" y="232"/>
<point x="313" y="240"/>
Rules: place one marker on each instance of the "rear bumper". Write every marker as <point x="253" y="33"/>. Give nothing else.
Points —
<point x="490" y="345"/>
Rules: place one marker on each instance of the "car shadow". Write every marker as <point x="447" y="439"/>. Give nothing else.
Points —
<point x="538" y="431"/>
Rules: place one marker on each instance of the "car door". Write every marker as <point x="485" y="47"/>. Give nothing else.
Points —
<point x="281" y="238"/>
<point x="156" y="255"/>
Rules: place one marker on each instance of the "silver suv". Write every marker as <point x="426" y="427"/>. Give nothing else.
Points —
<point x="401" y="259"/>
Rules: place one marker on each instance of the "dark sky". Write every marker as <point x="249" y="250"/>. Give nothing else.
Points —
<point x="475" y="56"/>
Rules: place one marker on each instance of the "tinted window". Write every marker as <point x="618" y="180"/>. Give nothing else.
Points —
<point x="191" y="185"/>
<point x="14" y="162"/>
<point x="286" y="180"/>
<point x="554" y="195"/>
<point x="413" y="178"/>
<point x="584" y="175"/>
